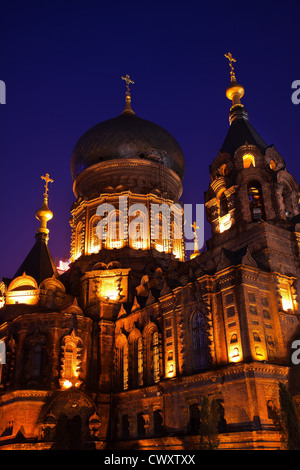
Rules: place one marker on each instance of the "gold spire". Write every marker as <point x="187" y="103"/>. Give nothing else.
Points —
<point x="44" y="214"/>
<point x="128" y="108"/>
<point x="196" y="252"/>
<point x="235" y="91"/>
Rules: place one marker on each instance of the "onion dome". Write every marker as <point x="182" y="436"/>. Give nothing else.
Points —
<point x="127" y="136"/>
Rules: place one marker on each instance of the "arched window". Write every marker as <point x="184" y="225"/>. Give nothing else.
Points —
<point x="158" y="422"/>
<point x="161" y="233"/>
<point x="125" y="366"/>
<point x="95" y="242"/>
<point x="194" y="422"/>
<point x="35" y="356"/>
<point x="135" y="365"/>
<point x="141" y="431"/>
<point x="140" y="361"/>
<point x="121" y="362"/>
<point x="115" y="234"/>
<point x="199" y="341"/>
<point x="256" y="200"/>
<point x="155" y="357"/>
<point x="78" y="240"/>
<point x="36" y="361"/>
<point x="248" y="160"/>
<point x="176" y="235"/>
<point x="71" y="361"/>
<point x="138" y="227"/>
<point x="151" y="354"/>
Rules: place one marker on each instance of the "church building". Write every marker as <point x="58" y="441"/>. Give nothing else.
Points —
<point x="120" y="349"/>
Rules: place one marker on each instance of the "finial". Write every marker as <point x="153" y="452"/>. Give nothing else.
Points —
<point x="197" y="252"/>
<point x="47" y="181"/>
<point x="44" y="214"/>
<point x="128" y="95"/>
<point x="231" y="59"/>
<point x="235" y="92"/>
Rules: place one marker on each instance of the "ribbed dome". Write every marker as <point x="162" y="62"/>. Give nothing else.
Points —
<point x="126" y="136"/>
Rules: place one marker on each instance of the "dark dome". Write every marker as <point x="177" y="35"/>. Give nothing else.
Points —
<point x="126" y="136"/>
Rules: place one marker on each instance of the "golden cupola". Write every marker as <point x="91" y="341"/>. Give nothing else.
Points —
<point x="44" y="214"/>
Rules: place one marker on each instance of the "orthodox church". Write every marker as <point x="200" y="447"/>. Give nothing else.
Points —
<point x="119" y="350"/>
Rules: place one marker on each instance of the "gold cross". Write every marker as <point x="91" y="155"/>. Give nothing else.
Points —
<point x="231" y="59"/>
<point x="128" y="81"/>
<point x="47" y="181"/>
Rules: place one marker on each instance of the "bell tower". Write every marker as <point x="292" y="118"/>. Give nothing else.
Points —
<point x="251" y="191"/>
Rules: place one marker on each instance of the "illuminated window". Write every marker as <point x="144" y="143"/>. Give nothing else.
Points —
<point x="155" y="357"/>
<point x="176" y="236"/>
<point x="255" y="200"/>
<point x="125" y="366"/>
<point x="71" y="361"/>
<point x="233" y="338"/>
<point x="135" y="361"/>
<point x="140" y="361"/>
<point x="286" y="297"/>
<point x="121" y="371"/>
<point x="225" y="223"/>
<point x="248" y="160"/>
<point x="161" y="233"/>
<point x="78" y="240"/>
<point x="272" y="165"/>
<point x="139" y="231"/>
<point x="115" y="238"/>
<point x="235" y="355"/>
<point x="95" y="242"/>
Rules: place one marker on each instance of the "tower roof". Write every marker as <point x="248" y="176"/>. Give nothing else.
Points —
<point x="240" y="133"/>
<point x="38" y="263"/>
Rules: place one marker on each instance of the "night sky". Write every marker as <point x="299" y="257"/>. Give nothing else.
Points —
<point x="62" y="63"/>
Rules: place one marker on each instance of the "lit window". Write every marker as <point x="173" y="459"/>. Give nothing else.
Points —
<point x="140" y="361"/>
<point x="155" y="357"/>
<point x="248" y="160"/>
<point x="225" y="223"/>
<point x="95" y="242"/>
<point x="71" y="361"/>
<point x="286" y="297"/>
<point x="125" y="367"/>
<point x="256" y="200"/>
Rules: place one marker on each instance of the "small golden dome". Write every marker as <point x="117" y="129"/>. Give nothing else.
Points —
<point x="44" y="212"/>
<point x="235" y="91"/>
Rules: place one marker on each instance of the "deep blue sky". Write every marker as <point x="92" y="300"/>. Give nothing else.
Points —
<point x="62" y="62"/>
